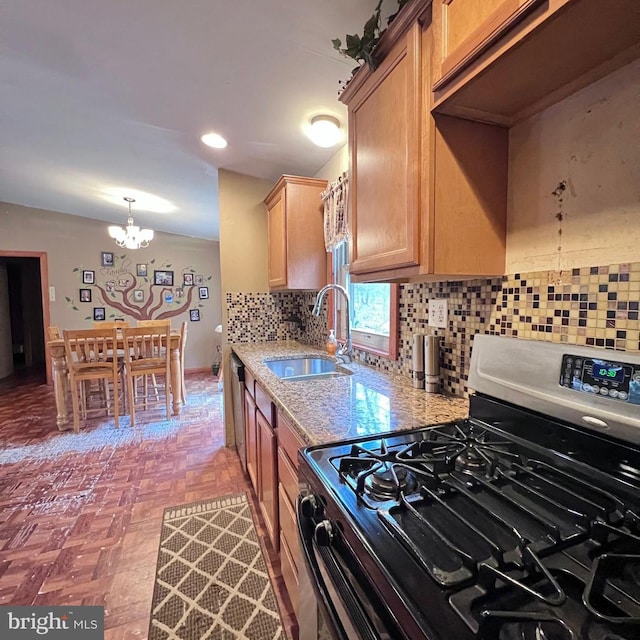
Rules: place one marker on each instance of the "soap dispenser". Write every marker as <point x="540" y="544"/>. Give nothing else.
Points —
<point x="332" y="343"/>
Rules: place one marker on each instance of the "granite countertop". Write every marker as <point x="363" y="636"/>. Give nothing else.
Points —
<point x="369" y="401"/>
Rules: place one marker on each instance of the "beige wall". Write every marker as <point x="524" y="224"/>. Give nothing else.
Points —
<point x="243" y="231"/>
<point x="336" y="165"/>
<point x="243" y="253"/>
<point x="74" y="244"/>
<point x="592" y="141"/>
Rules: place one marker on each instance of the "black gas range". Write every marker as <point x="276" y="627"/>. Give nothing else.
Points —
<point x="522" y="521"/>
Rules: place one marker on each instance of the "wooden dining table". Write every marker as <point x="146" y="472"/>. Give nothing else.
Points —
<point x="64" y="417"/>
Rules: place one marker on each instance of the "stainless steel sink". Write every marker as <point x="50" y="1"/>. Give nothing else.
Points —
<point x="307" y="368"/>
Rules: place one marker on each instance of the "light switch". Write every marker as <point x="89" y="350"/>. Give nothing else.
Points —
<point x="438" y="313"/>
<point x="52" y="294"/>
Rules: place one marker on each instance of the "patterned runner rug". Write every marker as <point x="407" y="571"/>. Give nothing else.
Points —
<point x="211" y="578"/>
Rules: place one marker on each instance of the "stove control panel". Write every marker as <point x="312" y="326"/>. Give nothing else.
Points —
<point x="616" y="380"/>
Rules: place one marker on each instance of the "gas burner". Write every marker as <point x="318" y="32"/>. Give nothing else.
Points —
<point x="471" y="460"/>
<point x="466" y="448"/>
<point x="383" y="473"/>
<point x="388" y="481"/>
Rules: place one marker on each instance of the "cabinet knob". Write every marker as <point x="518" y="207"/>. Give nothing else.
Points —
<point x="323" y="534"/>
<point x="310" y="506"/>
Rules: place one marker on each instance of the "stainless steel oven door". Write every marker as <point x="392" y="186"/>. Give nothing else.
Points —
<point x="347" y="607"/>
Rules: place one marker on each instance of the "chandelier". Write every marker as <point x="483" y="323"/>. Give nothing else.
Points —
<point x="132" y="237"/>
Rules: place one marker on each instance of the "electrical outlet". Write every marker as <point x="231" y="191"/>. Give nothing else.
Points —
<point x="438" y="313"/>
<point x="52" y="293"/>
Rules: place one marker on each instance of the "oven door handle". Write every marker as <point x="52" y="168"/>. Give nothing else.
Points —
<point x="349" y="601"/>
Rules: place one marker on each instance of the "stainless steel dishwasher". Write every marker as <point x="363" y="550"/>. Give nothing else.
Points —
<point x="237" y="390"/>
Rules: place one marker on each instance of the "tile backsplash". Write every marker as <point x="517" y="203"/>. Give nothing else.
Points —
<point x="596" y="305"/>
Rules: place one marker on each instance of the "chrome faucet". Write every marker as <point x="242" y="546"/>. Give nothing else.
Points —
<point x="345" y="350"/>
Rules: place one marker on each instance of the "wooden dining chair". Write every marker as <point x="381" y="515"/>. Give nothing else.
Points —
<point x="117" y="324"/>
<point x="146" y="354"/>
<point x="53" y="333"/>
<point x="154" y="323"/>
<point x="89" y="354"/>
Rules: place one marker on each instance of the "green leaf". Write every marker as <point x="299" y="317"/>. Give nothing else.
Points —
<point x="209" y="278"/>
<point x="336" y="43"/>
<point x="67" y="298"/>
<point x="370" y="27"/>
<point x="87" y="318"/>
<point x="168" y="266"/>
<point x="75" y="308"/>
<point x="76" y="269"/>
<point x="152" y="261"/>
<point x="352" y="42"/>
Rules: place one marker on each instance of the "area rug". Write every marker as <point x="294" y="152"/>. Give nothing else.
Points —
<point x="211" y="577"/>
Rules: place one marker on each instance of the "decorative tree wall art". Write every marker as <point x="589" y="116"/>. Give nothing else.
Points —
<point x="126" y="289"/>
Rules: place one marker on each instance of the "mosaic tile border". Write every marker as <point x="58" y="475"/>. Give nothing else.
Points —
<point x="597" y="306"/>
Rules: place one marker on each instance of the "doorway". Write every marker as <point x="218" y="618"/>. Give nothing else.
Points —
<point x="24" y="314"/>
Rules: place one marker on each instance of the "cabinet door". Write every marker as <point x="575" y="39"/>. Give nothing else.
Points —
<point x="278" y="242"/>
<point x="468" y="28"/>
<point x="384" y="136"/>
<point x="268" y="483"/>
<point x="250" y="438"/>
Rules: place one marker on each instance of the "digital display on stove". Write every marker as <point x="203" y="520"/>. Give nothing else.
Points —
<point x="602" y="370"/>
<point x="617" y="381"/>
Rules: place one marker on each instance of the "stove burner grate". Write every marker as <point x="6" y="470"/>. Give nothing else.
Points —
<point x="391" y="470"/>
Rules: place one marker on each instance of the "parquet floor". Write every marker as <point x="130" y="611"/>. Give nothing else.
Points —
<point x="83" y="527"/>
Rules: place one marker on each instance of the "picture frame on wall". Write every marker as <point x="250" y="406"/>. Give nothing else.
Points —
<point x="138" y="295"/>
<point x="163" y="278"/>
<point x="141" y="270"/>
<point x="203" y="293"/>
<point x="110" y="286"/>
<point x="88" y="277"/>
<point x="85" y="295"/>
<point x="179" y="292"/>
<point x="198" y="280"/>
<point x="187" y="279"/>
<point x="99" y="314"/>
<point x="106" y="259"/>
<point x="194" y="315"/>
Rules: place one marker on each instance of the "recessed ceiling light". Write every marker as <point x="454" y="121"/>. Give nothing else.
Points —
<point x="324" y="131"/>
<point x="214" y="140"/>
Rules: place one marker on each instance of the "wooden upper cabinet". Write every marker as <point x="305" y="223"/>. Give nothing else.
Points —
<point x="297" y="256"/>
<point x="501" y="61"/>
<point x="384" y="135"/>
<point x="428" y="194"/>
<point x="469" y="27"/>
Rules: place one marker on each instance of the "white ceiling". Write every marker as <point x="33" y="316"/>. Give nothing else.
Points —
<point x="101" y="95"/>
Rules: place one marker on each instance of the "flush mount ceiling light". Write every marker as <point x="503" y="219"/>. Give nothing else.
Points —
<point x="132" y="237"/>
<point x="324" y="131"/>
<point x="214" y="140"/>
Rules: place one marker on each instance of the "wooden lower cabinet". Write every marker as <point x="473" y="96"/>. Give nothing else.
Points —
<point x="288" y="488"/>
<point x="272" y="464"/>
<point x="268" y="477"/>
<point x="289" y="558"/>
<point x="251" y="439"/>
